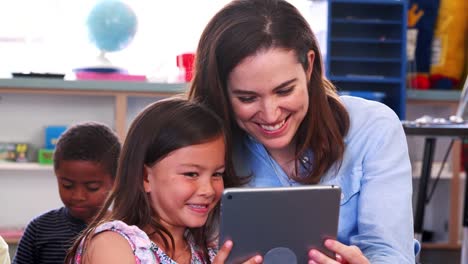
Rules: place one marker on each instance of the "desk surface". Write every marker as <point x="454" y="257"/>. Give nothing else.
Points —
<point x="437" y="130"/>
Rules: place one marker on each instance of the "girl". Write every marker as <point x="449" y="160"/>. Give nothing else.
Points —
<point x="172" y="171"/>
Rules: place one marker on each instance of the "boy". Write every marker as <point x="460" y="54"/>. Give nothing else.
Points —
<point x="85" y="162"/>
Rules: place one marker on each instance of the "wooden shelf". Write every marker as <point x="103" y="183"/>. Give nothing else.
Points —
<point x="25" y="166"/>
<point x="12" y="236"/>
<point x="446" y="174"/>
<point x="119" y="90"/>
<point x="433" y="95"/>
<point x="441" y="245"/>
<point x="42" y="85"/>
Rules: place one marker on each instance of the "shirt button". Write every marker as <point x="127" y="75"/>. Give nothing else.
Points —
<point x="342" y="196"/>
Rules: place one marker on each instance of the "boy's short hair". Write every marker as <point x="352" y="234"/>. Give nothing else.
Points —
<point x="89" y="141"/>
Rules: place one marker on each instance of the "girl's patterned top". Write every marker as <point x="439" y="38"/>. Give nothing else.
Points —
<point x="145" y="250"/>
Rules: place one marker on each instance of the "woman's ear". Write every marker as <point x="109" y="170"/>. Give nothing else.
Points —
<point x="146" y="175"/>
<point x="310" y="62"/>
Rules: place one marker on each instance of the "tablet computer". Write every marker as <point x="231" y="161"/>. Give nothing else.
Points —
<point x="282" y="224"/>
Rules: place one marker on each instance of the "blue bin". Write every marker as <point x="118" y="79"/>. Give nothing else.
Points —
<point x="52" y="133"/>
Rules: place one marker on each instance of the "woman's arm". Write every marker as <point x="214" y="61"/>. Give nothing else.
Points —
<point x="385" y="214"/>
<point x="384" y="221"/>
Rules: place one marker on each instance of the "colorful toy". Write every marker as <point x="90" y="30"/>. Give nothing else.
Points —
<point x="449" y="44"/>
<point x="422" y="15"/>
<point x="46" y="156"/>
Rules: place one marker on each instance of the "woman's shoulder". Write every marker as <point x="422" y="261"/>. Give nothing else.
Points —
<point x="369" y="120"/>
<point x="360" y="107"/>
<point x="368" y="113"/>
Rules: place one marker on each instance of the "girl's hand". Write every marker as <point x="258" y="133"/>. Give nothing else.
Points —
<point x="344" y="254"/>
<point x="224" y="251"/>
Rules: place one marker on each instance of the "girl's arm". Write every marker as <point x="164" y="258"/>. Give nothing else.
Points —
<point x="108" y="247"/>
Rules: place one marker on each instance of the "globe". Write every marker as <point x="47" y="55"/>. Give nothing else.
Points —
<point x="111" y="25"/>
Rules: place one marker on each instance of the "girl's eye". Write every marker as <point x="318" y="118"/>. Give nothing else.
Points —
<point x="190" y="174"/>
<point x="285" y="91"/>
<point x="219" y="174"/>
<point x="246" y="99"/>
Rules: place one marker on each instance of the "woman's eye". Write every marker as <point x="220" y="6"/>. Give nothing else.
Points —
<point x="190" y="174"/>
<point x="285" y="91"/>
<point x="246" y="99"/>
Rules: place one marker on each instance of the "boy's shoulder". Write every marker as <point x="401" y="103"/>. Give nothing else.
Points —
<point x="56" y="219"/>
<point x="53" y="224"/>
<point x="50" y="216"/>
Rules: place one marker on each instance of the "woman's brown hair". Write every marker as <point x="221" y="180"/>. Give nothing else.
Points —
<point x="245" y="27"/>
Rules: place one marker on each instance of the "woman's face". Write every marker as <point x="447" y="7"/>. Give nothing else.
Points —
<point x="269" y="96"/>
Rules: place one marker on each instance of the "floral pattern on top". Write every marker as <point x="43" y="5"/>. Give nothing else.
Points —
<point x="146" y="251"/>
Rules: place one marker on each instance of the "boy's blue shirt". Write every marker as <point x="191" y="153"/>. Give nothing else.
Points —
<point x="375" y="178"/>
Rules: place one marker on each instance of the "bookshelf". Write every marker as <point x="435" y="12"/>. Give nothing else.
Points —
<point x="367" y="50"/>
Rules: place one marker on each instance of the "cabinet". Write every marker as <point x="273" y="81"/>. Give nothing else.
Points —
<point x="366" y="50"/>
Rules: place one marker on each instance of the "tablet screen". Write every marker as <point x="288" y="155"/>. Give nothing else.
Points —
<point x="281" y="224"/>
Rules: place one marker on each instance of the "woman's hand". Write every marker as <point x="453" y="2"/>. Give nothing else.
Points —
<point x="344" y="254"/>
<point x="224" y="251"/>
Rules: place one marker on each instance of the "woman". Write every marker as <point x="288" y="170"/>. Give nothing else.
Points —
<point x="259" y="67"/>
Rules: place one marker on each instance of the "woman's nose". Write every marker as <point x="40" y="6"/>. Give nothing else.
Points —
<point x="270" y="110"/>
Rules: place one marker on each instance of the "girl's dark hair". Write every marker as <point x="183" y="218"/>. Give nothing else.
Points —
<point x="89" y="141"/>
<point x="242" y="29"/>
<point x="161" y="128"/>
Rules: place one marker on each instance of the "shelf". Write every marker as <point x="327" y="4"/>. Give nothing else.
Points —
<point x="367" y="40"/>
<point x="28" y="166"/>
<point x="356" y="78"/>
<point x="440" y="245"/>
<point x="11" y="236"/>
<point x="433" y="95"/>
<point x="365" y="59"/>
<point x="373" y="2"/>
<point x="41" y="85"/>
<point x="352" y="20"/>
<point x="121" y="91"/>
<point x="446" y="174"/>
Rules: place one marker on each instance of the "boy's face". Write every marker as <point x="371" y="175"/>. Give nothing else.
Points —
<point x="83" y="187"/>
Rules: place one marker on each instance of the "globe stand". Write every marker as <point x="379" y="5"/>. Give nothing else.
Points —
<point x="101" y="64"/>
<point x="103" y="61"/>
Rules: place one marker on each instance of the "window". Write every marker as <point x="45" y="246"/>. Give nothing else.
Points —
<point x="51" y="35"/>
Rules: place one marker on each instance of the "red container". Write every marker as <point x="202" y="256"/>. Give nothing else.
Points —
<point x="185" y="62"/>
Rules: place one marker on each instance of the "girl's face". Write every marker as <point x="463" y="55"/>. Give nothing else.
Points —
<point x="269" y="95"/>
<point x="187" y="184"/>
<point x="83" y="187"/>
